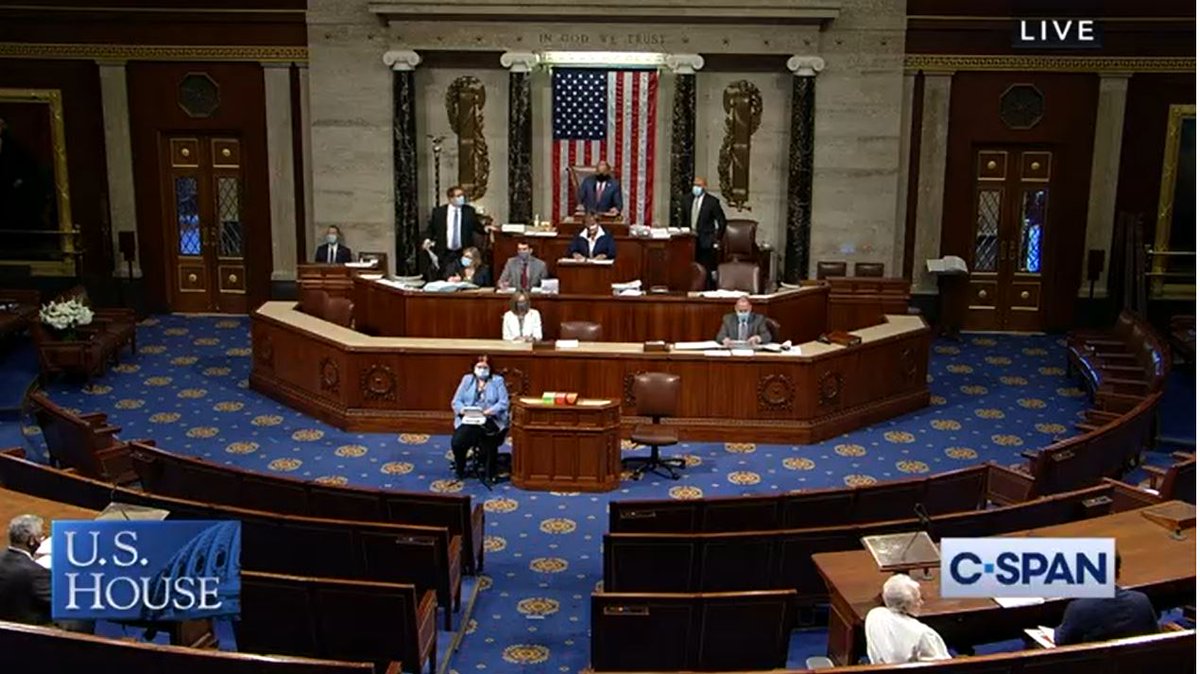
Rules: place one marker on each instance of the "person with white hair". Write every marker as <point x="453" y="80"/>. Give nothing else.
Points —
<point x="24" y="584"/>
<point x="894" y="635"/>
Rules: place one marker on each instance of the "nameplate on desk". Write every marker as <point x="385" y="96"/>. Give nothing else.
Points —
<point x="654" y="347"/>
<point x="511" y="228"/>
<point x="566" y="344"/>
<point x="591" y="260"/>
<point x="544" y="345"/>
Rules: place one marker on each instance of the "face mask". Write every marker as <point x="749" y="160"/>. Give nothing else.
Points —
<point x="331" y="239"/>
<point x="459" y="201"/>
<point x="522" y="307"/>
<point x="601" y="176"/>
<point x="466" y="261"/>
<point x="697" y="190"/>
<point x="743" y="315"/>
<point x="523" y="254"/>
<point x="482" y="372"/>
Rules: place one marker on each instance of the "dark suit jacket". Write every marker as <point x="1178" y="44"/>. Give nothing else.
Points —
<point x="342" y="256"/>
<point x="609" y="198"/>
<point x="605" y="245"/>
<point x="755" y="325"/>
<point x="710" y="226"/>
<point x="1128" y="614"/>
<point x="483" y="275"/>
<point x="436" y="232"/>
<point x="24" y="589"/>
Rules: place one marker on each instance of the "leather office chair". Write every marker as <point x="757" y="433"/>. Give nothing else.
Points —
<point x="584" y="331"/>
<point x="742" y="276"/>
<point x="775" y="328"/>
<point x="740" y="242"/>
<point x="380" y="258"/>
<point x="312" y="301"/>
<point x="698" y="277"/>
<point x="576" y="176"/>
<point x="340" y="310"/>
<point x="656" y="395"/>
<point x="827" y="269"/>
<point x="870" y="269"/>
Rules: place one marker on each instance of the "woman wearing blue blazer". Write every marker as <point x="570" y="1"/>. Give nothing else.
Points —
<point x="486" y="391"/>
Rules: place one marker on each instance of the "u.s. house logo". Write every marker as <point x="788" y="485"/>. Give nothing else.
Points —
<point x="145" y="570"/>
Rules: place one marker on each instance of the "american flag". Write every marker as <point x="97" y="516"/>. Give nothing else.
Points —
<point x="609" y="115"/>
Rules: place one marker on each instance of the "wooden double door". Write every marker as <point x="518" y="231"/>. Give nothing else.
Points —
<point x="204" y="225"/>
<point x="1011" y="221"/>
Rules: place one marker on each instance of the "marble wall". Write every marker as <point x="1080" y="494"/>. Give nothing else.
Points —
<point x="857" y="125"/>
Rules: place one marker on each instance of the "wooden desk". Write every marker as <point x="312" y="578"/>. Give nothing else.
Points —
<point x="566" y="447"/>
<point x="387" y="311"/>
<point x="359" y="382"/>
<point x="1151" y="562"/>
<point x="586" y="278"/>
<point x="13" y="503"/>
<point x="657" y="262"/>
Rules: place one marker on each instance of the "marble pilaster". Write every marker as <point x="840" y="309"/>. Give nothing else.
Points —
<point x="118" y="150"/>
<point x="520" y="134"/>
<point x="277" y="81"/>
<point x="1106" y="162"/>
<point x="404" y="158"/>
<point x="931" y="180"/>
<point x="898" y="241"/>
<point x="798" y="237"/>
<point x="683" y="132"/>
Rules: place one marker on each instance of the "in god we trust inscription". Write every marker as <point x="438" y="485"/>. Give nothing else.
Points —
<point x="613" y="40"/>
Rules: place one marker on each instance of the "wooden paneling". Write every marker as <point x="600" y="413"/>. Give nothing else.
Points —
<point x="389" y="385"/>
<point x="1067" y="128"/>
<point x="568" y="447"/>
<point x="155" y="112"/>
<point x="79" y="82"/>
<point x="637" y="257"/>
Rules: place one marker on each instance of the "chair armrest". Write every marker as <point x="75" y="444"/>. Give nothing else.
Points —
<point x="393" y="668"/>
<point x="94" y="418"/>
<point x="106" y="430"/>
<point x="1030" y="454"/>
<point x="1100" y="417"/>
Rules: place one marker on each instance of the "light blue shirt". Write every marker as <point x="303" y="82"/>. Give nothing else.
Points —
<point x="494" y="399"/>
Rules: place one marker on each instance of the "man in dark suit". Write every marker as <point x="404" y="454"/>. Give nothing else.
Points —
<point x="24" y="584"/>
<point x="705" y="217"/>
<point x="1128" y="614"/>
<point x="600" y="192"/>
<point x="743" y="325"/>
<point x="453" y="227"/>
<point x="333" y="251"/>
<point x="593" y="243"/>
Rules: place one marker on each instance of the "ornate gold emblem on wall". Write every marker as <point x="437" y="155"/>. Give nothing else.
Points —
<point x="743" y="114"/>
<point x="464" y="109"/>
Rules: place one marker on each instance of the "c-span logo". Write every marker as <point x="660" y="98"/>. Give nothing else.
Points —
<point x="144" y="570"/>
<point x="1028" y="567"/>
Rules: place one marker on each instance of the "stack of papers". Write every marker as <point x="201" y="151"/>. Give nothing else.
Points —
<point x="628" y="285"/>
<point x="1041" y="635"/>
<point x="723" y="294"/>
<point x="448" y="286"/>
<point x="362" y="265"/>
<point x="586" y="260"/>
<point x="696" y="346"/>
<point x="660" y="233"/>
<point x="566" y="344"/>
<point x="1012" y="602"/>
<point x="473" y="416"/>
<point x="549" y="286"/>
<point x="512" y="228"/>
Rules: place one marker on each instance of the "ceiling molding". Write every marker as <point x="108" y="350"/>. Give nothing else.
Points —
<point x="1051" y="63"/>
<point x="130" y="52"/>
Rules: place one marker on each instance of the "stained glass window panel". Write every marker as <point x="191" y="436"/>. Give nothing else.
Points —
<point x="187" y="209"/>
<point x="987" y="229"/>
<point x="1033" y="223"/>
<point x="229" y="214"/>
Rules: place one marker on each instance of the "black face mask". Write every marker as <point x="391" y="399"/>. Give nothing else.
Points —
<point x="601" y="177"/>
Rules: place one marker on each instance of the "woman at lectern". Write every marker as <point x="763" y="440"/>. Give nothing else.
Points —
<point x="480" y="418"/>
<point x="521" y="323"/>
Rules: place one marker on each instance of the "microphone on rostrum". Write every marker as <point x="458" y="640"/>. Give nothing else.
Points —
<point x="922" y="517"/>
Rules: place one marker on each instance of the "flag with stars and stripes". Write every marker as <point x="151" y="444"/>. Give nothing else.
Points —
<point x="609" y="115"/>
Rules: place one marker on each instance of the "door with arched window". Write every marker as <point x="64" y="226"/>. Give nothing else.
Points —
<point x="1011" y="217"/>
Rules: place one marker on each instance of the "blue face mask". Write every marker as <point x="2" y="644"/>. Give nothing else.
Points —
<point x="482" y="372"/>
<point x="743" y="315"/>
<point x="459" y="200"/>
<point x="331" y="239"/>
<point x="466" y="261"/>
<point x="697" y="190"/>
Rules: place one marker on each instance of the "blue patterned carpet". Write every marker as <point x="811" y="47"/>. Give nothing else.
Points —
<point x="993" y="397"/>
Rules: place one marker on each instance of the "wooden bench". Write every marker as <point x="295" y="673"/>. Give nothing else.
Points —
<point x="186" y="477"/>
<point x="1177" y="482"/>
<point x="83" y="442"/>
<point x="18" y="310"/>
<point x="427" y="557"/>
<point x="760" y="560"/>
<point x="953" y="491"/>
<point x="1129" y="358"/>
<point x="691" y="632"/>
<point x="59" y="651"/>
<point x="383" y="623"/>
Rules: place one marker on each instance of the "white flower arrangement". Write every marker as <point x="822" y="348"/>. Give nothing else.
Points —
<point x="65" y="315"/>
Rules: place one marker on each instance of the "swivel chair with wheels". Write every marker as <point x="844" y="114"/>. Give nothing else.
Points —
<point x="656" y="395"/>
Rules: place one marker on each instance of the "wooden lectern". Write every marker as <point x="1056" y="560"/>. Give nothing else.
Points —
<point x="566" y="447"/>
<point x="904" y="552"/>
<point x="581" y="277"/>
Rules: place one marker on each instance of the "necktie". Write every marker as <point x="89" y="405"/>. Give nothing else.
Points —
<point x="454" y="238"/>
<point x="524" y="276"/>
<point x="599" y="191"/>
<point x="332" y="253"/>
<point x="741" y="330"/>
<point x="696" y="211"/>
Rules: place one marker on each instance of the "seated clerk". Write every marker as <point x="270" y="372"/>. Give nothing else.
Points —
<point x="743" y="325"/>
<point x="1128" y="613"/>
<point x="469" y="268"/>
<point x="521" y="323"/>
<point x="593" y="243"/>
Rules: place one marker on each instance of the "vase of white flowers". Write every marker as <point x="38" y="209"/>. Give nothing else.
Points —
<point x="65" y="317"/>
